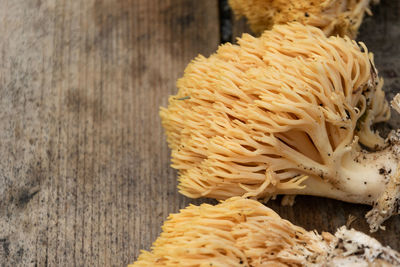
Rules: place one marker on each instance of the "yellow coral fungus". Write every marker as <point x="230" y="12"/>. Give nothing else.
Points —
<point x="334" y="17"/>
<point x="283" y="114"/>
<point x="243" y="232"/>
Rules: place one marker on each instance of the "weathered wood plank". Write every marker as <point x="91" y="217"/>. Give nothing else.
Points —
<point x="84" y="176"/>
<point x="381" y="33"/>
<point x="239" y="26"/>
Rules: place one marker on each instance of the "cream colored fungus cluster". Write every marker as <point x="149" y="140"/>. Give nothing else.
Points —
<point x="333" y="17"/>
<point x="243" y="232"/>
<point x="284" y="113"/>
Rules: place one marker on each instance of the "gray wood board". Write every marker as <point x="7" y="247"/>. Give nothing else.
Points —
<point x="84" y="176"/>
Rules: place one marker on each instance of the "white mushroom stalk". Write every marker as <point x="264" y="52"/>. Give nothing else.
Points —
<point x="285" y="114"/>
<point x="243" y="232"/>
<point x="333" y="17"/>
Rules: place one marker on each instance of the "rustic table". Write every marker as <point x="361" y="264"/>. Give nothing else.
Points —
<point x="84" y="170"/>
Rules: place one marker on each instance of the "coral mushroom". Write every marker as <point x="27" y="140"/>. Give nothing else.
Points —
<point x="243" y="232"/>
<point x="285" y="113"/>
<point x="332" y="16"/>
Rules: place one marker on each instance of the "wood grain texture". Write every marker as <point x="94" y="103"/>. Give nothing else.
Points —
<point x="381" y="34"/>
<point x="84" y="171"/>
<point x="239" y="26"/>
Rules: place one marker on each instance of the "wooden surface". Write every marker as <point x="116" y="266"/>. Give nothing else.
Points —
<point x="84" y="170"/>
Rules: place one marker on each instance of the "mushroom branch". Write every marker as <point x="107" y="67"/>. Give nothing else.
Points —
<point x="243" y="232"/>
<point x="331" y="16"/>
<point x="290" y="113"/>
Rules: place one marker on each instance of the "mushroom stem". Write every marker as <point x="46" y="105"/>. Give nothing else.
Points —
<point x="365" y="178"/>
<point x="350" y="247"/>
